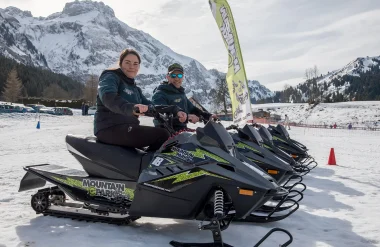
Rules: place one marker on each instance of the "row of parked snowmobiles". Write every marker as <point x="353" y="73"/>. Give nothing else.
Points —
<point x="212" y="174"/>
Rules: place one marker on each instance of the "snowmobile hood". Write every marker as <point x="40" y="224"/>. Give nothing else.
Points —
<point x="282" y="131"/>
<point x="251" y="134"/>
<point x="214" y="134"/>
<point x="264" y="133"/>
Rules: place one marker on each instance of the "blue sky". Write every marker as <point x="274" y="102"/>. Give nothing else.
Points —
<point x="279" y="38"/>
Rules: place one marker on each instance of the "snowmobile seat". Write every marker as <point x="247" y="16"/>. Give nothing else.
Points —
<point x="108" y="161"/>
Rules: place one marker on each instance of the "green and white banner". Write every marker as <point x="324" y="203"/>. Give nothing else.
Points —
<point x="236" y="77"/>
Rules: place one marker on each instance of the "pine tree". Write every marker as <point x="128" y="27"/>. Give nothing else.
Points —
<point x="12" y="87"/>
<point x="54" y="91"/>
<point x="222" y="94"/>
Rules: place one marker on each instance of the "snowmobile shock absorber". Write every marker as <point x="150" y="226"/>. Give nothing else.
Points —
<point x="219" y="204"/>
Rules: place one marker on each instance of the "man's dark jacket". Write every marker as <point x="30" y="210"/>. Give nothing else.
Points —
<point x="167" y="94"/>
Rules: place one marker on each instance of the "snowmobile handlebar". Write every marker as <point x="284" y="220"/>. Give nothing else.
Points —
<point x="205" y="121"/>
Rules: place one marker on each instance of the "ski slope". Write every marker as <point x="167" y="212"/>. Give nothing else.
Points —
<point x="340" y="207"/>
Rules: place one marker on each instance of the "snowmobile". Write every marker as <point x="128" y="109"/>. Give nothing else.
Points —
<point x="249" y="144"/>
<point x="269" y="144"/>
<point x="192" y="176"/>
<point x="297" y="150"/>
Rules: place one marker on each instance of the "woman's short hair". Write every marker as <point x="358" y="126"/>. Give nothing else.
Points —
<point x="126" y="52"/>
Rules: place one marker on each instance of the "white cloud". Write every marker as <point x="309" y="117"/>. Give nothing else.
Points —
<point x="279" y="38"/>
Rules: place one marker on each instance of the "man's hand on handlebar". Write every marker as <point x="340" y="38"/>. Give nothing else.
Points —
<point x="214" y="117"/>
<point x="193" y="118"/>
<point x="182" y="116"/>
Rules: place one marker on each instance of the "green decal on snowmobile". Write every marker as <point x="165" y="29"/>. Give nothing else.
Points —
<point x="187" y="176"/>
<point x="245" y="146"/>
<point x="279" y="139"/>
<point x="71" y="182"/>
<point x="171" y="153"/>
<point x="199" y="153"/>
<point x="256" y="161"/>
<point x="130" y="193"/>
<point x="99" y="188"/>
<point x="266" y="146"/>
<point x="78" y="184"/>
<point x="281" y="147"/>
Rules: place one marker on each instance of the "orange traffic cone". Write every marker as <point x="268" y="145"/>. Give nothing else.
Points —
<point x="332" y="158"/>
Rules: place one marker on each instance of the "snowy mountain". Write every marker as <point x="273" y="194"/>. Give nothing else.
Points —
<point x="86" y="38"/>
<point x="358" y="80"/>
<point x="355" y="69"/>
<point x="256" y="90"/>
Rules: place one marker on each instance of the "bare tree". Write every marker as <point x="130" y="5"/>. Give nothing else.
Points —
<point x="286" y="93"/>
<point x="54" y="91"/>
<point x="315" y="72"/>
<point x="91" y="89"/>
<point x="12" y="87"/>
<point x="222" y="94"/>
<point x="311" y="75"/>
<point x="308" y="75"/>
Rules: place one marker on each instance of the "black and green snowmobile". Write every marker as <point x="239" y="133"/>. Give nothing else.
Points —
<point x="269" y="144"/>
<point x="192" y="176"/>
<point x="297" y="150"/>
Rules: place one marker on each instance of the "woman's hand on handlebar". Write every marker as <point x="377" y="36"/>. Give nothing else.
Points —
<point x="140" y="109"/>
<point x="182" y="116"/>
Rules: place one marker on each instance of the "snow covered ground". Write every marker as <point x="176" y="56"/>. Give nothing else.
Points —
<point x="340" y="208"/>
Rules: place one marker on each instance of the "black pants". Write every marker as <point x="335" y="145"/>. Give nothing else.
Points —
<point x="136" y="136"/>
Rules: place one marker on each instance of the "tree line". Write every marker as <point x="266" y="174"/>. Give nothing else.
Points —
<point x="19" y="81"/>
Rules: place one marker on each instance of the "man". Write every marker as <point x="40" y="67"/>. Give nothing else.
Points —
<point x="287" y="121"/>
<point x="171" y="92"/>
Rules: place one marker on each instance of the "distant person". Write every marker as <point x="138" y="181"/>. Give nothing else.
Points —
<point x="83" y="109"/>
<point x="86" y="109"/>
<point x="334" y="125"/>
<point x="287" y="121"/>
<point x="350" y="126"/>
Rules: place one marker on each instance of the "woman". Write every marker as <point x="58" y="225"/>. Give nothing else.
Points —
<point x="115" y="121"/>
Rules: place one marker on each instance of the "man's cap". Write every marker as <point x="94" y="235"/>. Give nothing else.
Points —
<point x="175" y="67"/>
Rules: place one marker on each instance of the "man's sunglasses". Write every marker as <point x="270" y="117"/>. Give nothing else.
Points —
<point x="176" y="75"/>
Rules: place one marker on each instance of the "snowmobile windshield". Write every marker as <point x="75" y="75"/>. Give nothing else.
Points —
<point x="252" y="133"/>
<point x="265" y="134"/>
<point x="281" y="129"/>
<point x="214" y="134"/>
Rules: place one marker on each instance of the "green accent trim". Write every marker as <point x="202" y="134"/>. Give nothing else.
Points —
<point x="279" y="139"/>
<point x="171" y="153"/>
<point x="72" y="182"/>
<point x="199" y="153"/>
<point x="91" y="190"/>
<point x="266" y="146"/>
<point x="130" y="193"/>
<point x="187" y="176"/>
<point x="257" y="161"/>
<point x="245" y="146"/>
